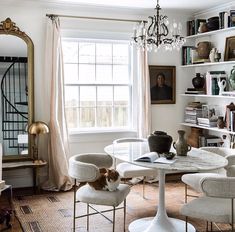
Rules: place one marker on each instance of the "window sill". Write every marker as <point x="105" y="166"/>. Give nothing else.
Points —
<point x="100" y="135"/>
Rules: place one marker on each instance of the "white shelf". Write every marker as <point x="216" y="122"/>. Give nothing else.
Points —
<point x="208" y="128"/>
<point x="206" y="96"/>
<point x="210" y="33"/>
<point x="208" y="64"/>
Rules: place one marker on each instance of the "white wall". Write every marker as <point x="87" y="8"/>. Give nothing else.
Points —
<point x="31" y="18"/>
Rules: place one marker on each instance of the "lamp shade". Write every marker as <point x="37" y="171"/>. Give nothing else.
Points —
<point x="38" y="128"/>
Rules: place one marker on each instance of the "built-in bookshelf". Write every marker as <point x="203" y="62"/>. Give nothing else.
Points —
<point x="220" y="100"/>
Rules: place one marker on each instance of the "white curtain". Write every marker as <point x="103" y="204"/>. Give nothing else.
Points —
<point x="58" y="145"/>
<point x="144" y="102"/>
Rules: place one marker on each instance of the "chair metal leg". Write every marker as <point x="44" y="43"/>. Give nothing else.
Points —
<point x="232" y="213"/>
<point x="124" y="219"/>
<point x="144" y="187"/>
<point x="211" y="226"/>
<point x="114" y="219"/>
<point x="87" y="219"/>
<point x="185" y="193"/>
<point x="74" y="204"/>
<point x="186" y="224"/>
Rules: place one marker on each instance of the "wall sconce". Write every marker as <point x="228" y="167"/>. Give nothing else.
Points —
<point x="36" y="129"/>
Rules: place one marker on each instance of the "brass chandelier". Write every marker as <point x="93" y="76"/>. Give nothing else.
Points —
<point x="152" y="34"/>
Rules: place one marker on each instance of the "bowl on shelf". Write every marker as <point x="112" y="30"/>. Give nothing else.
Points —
<point x="213" y="23"/>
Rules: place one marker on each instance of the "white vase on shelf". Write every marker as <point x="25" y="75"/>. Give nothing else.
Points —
<point x="212" y="55"/>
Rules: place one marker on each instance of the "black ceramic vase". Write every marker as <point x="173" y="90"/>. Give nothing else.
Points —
<point x="198" y="81"/>
<point x="160" y="142"/>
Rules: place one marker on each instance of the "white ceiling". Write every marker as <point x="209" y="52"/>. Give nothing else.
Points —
<point x="190" y="5"/>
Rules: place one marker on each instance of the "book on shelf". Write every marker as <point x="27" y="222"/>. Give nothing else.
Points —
<point x="229" y="93"/>
<point x="212" y="78"/>
<point x="209" y="141"/>
<point x="153" y="157"/>
<point x="232" y="18"/>
<point x="229" y="116"/>
<point x="194" y="92"/>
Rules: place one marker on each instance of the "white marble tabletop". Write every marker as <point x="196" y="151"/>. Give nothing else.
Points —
<point x="196" y="159"/>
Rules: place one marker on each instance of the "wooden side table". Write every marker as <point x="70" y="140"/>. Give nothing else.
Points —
<point x="35" y="165"/>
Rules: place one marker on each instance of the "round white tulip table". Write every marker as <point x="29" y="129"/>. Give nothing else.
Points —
<point x="196" y="160"/>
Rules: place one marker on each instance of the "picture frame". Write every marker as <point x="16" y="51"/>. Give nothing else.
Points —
<point x="162" y="84"/>
<point x="229" y="53"/>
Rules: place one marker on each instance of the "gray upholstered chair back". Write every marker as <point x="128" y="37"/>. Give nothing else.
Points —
<point x="222" y="187"/>
<point x="85" y="167"/>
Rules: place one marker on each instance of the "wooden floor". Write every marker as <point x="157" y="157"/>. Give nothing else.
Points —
<point x="5" y="203"/>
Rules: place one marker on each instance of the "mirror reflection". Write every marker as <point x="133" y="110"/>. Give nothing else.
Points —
<point x="14" y="95"/>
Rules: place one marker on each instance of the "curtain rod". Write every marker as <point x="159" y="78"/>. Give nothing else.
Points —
<point x="95" y="18"/>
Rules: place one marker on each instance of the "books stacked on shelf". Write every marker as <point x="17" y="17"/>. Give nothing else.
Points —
<point x="195" y="91"/>
<point x="193" y="26"/>
<point x="212" y="78"/>
<point x="207" y="122"/>
<point x="192" y="111"/>
<point x="188" y="55"/>
<point x="209" y="141"/>
<point x="230" y="117"/>
<point x="223" y="20"/>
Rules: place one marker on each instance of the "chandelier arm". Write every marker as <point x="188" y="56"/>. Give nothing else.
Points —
<point x="149" y="32"/>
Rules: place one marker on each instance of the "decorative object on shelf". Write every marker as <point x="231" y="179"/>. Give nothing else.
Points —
<point x="212" y="55"/>
<point x="203" y="49"/>
<point x="160" y="142"/>
<point x="193" y="138"/>
<point x="202" y="27"/>
<point x="36" y="129"/>
<point x="162" y="84"/>
<point x="220" y="122"/>
<point x="212" y="78"/>
<point x="232" y="78"/>
<point x="222" y="85"/>
<point x="217" y="56"/>
<point x="213" y="23"/>
<point x="155" y="36"/>
<point x="229" y="53"/>
<point x="181" y="146"/>
<point x="198" y="81"/>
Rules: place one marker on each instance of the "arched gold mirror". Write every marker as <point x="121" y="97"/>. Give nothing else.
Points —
<point x="16" y="91"/>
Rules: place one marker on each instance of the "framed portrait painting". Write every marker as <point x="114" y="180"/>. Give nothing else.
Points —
<point x="229" y="53"/>
<point x="162" y="84"/>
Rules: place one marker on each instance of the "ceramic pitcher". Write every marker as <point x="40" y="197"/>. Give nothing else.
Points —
<point x="181" y="146"/>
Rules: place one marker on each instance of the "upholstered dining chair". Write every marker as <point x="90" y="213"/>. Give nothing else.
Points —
<point x="85" y="168"/>
<point x="128" y="170"/>
<point x="216" y="204"/>
<point x="193" y="179"/>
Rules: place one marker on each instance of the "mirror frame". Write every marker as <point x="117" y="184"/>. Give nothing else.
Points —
<point x="8" y="27"/>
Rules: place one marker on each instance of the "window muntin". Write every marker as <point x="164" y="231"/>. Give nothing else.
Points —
<point x="98" y="86"/>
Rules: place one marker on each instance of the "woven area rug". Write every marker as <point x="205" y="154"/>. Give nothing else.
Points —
<point x="53" y="212"/>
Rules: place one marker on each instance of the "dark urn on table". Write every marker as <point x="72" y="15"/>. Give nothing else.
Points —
<point x="160" y="142"/>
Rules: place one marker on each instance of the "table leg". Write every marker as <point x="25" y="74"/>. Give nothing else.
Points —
<point x="161" y="222"/>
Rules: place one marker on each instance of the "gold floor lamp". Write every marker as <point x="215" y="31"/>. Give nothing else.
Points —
<point x="36" y="129"/>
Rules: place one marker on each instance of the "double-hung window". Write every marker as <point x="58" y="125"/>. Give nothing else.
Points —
<point x="98" y="84"/>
